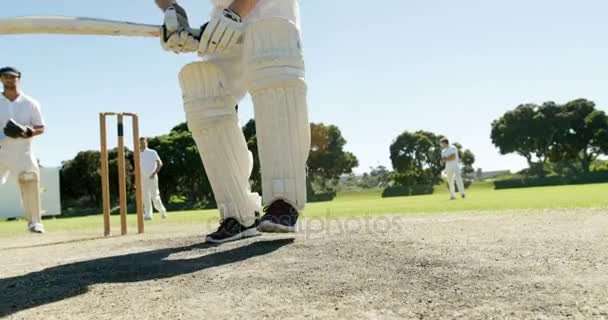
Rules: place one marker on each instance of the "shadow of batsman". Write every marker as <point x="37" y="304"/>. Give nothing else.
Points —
<point x="58" y="283"/>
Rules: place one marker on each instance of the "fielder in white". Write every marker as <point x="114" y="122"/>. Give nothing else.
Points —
<point x="150" y="167"/>
<point x="247" y="46"/>
<point x="22" y="120"/>
<point x="449" y="156"/>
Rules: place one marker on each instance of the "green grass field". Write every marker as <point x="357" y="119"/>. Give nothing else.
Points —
<point x="481" y="197"/>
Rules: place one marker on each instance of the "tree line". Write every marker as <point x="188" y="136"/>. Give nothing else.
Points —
<point x="553" y="138"/>
<point x="560" y="139"/>
<point x="416" y="157"/>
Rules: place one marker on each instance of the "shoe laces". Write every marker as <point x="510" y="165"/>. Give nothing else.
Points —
<point x="223" y="224"/>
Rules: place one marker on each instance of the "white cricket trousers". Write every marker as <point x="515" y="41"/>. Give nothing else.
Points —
<point x="151" y="196"/>
<point x="454" y="174"/>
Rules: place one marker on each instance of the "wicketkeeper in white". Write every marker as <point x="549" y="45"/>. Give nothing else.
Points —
<point x="449" y="156"/>
<point x="248" y="46"/>
<point x="21" y="119"/>
<point x="150" y="167"/>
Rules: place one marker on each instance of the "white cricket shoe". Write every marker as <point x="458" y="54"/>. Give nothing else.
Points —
<point x="36" y="227"/>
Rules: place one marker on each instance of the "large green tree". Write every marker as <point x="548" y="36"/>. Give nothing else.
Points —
<point x="328" y="160"/>
<point x="585" y="134"/>
<point x="530" y="131"/>
<point x="559" y="134"/>
<point x="80" y="177"/>
<point x="416" y="158"/>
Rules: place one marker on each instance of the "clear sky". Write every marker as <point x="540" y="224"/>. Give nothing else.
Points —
<point x="441" y="65"/>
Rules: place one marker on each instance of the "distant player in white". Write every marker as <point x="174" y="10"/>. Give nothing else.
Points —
<point x="247" y="46"/>
<point x="21" y="119"/>
<point x="449" y="156"/>
<point x="150" y="167"/>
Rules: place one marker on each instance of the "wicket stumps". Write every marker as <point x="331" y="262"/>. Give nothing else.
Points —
<point x="122" y="182"/>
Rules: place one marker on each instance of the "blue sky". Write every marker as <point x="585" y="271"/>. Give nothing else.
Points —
<point x="445" y="66"/>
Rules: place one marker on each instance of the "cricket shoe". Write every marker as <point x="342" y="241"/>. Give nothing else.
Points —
<point x="36" y="228"/>
<point x="279" y="217"/>
<point x="231" y="230"/>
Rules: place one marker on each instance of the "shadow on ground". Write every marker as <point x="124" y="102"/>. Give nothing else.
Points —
<point x="70" y="280"/>
<point x="50" y="244"/>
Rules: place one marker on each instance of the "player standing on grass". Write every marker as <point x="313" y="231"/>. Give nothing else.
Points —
<point x="449" y="156"/>
<point x="21" y="119"/>
<point x="150" y="167"/>
<point x="247" y="46"/>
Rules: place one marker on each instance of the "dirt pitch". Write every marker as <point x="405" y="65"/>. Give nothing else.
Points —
<point x="507" y="265"/>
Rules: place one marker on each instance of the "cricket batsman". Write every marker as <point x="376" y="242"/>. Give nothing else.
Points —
<point x="247" y="46"/>
<point x="21" y="120"/>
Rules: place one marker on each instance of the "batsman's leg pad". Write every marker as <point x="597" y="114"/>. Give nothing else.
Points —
<point x="215" y="128"/>
<point x="29" y="184"/>
<point x="275" y="76"/>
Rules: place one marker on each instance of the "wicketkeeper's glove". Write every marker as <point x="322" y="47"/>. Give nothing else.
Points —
<point x="15" y="130"/>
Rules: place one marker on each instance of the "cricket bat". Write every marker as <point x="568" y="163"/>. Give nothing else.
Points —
<point x="76" y="26"/>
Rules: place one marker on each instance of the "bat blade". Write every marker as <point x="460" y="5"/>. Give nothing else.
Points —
<point x="76" y="26"/>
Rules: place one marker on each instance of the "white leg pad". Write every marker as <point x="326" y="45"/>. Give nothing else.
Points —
<point x="29" y="184"/>
<point x="275" y="76"/>
<point x="215" y="128"/>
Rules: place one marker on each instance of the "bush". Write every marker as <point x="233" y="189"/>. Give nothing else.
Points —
<point x="599" y="165"/>
<point x="406" y="191"/>
<point x="322" y="197"/>
<point x="79" y="207"/>
<point x="528" y="182"/>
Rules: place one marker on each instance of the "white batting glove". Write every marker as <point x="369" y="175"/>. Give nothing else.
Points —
<point x="181" y="42"/>
<point x="221" y="34"/>
<point x="176" y="34"/>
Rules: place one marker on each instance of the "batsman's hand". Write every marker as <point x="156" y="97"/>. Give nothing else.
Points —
<point x="176" y="34"/>
<point x="14" y="130"/>
<point x="221" y="34"/>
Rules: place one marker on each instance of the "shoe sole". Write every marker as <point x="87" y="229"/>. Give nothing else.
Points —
<point x="271" y="227"/>
<point x="243" y="235"/>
